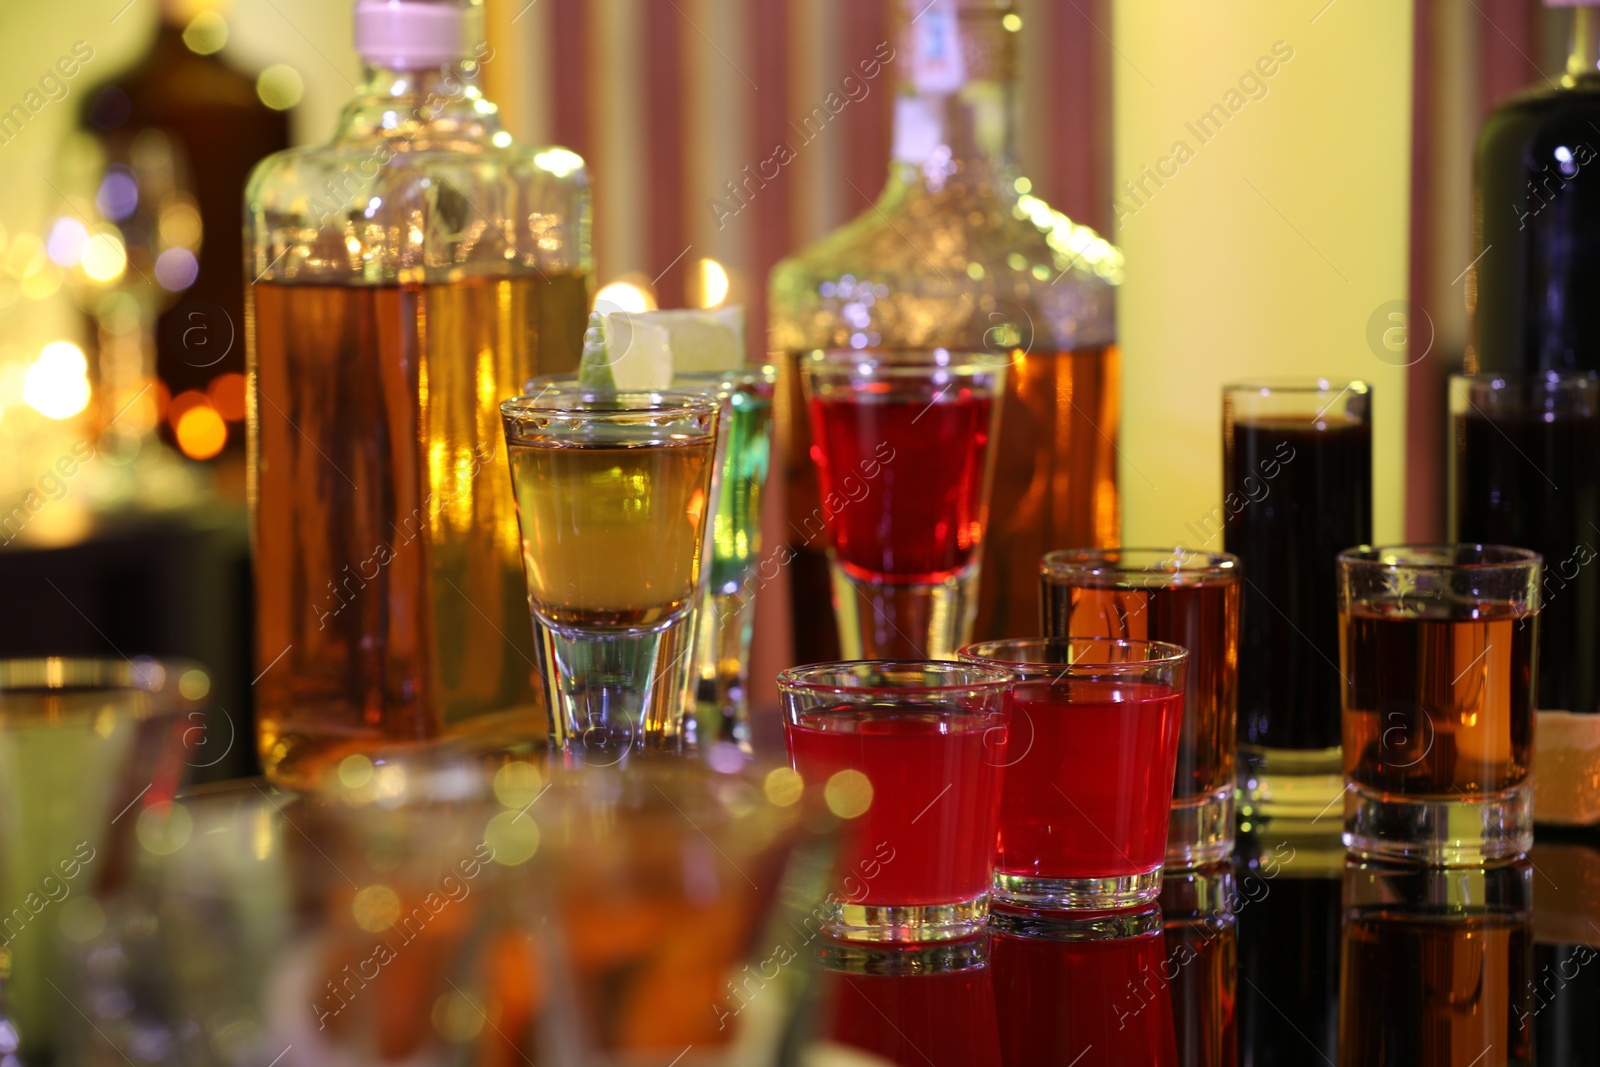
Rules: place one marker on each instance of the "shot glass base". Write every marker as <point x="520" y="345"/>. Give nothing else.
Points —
<point x="906" y="923"/>
<point x="1200" y="830"/>
<point x="1294" y="791"/>
<point x="1076" y="894"/>
<point x="1440" y="832"/>
<point x="904" y="620"/>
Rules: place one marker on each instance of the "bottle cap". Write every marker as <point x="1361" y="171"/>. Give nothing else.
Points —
<point x="416" y="34"/>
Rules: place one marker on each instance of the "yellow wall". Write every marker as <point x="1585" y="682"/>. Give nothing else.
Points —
<point x="1268" y="250"/>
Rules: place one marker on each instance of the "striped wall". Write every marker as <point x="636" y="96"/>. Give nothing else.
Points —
<point x="668" y="100"/>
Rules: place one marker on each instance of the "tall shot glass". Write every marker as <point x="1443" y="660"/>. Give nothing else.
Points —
<point x="1298" y="490"/>
<point x="1190" y="599"/>
<point x="1439" y="645"/>
<point x="912" y="755"/>
<point x="904" y="452"/>
<point x="1088" y="789"/>
<point x="612" y="496"/>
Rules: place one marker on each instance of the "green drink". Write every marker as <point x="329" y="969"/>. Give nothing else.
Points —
<point x="722" y="643"/>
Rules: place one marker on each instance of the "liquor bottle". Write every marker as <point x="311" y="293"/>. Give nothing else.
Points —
<point x="191" y="88"/>
<point x="957" y="253"/>
<point x="1537" y="220"/>
<point x="404" y="279"/>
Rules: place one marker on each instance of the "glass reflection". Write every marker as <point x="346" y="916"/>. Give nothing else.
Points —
<point x="1436" y="966"/>
<point x="1287" y="909"/>
<point x="914" y="1006"/>
<point x="1202" y="936"/>
<point x="1089" y="991"/>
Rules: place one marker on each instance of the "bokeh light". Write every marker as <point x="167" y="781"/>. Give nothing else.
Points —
<point x="118" y="196"/>
<point x="848" y="794"/>
<point x="180" y="226"/>
<point x="57" y="384"/>
<point x="280" y="87"/>
<point x="201" y="432"/>
<point x="624" y="296"/>
<point x="176" y="269"/>
<point x="206" y="33"/>
<point x="713" y="283"/>
<point x="226" y="393"/>
<point x="558" y="161"/>
<point x="67" y="241"/>
<point x="104" y="258"/>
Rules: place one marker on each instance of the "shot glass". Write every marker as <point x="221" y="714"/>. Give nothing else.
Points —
<point x="903" y="448"/>
<point x="912" y="754"/>
<point x="723" y="616"/>
<point x="1297" y="490"/>
<point x="612" y="494"/>
<point x="1088" y="787"/>
<point x="1190" y="599"/>
<point x="91" y="755"/>
<point x="1439" y="648"/>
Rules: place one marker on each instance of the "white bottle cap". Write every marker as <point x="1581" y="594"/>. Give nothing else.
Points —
<point x="416" y="34"/>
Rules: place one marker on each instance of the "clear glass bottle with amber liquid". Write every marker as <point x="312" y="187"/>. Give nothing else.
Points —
<point x="404" y="279"/>
<point x="958" y="254"/>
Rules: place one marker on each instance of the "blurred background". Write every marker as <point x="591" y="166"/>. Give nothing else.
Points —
<point x="1289" y="241"/>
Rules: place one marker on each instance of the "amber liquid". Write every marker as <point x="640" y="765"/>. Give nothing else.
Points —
<point x="1437" y="707"/>
<point x="1201" y="616"/>
<point x="1055" y="486"/>
<point x="612" y="534"/>
<point x="391" y="604"/>
<point x="1435" y="991"/>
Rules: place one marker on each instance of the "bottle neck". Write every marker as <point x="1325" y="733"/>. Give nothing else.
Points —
<point x="426" y="108"/>
<point x="955" y="89"/>
<point x="1583" y="52"/>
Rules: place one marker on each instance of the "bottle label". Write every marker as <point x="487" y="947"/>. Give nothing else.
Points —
<point x="937" y="65"/>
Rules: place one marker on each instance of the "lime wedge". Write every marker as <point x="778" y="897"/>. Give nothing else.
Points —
<point x="701" y="340"/>
<point x="594" y="369"/>
<point x="641" y="351"/>
<point x="620" y="352"/>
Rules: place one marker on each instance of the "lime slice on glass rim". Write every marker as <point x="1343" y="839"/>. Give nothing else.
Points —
<point x="640" y="351"/>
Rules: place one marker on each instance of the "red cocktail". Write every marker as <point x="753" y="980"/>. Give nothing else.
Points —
<point x="1088" y="787"/>
<point x="919" y="517"/>
<point x="912" y="757"/>
<point x="902" y="444"/>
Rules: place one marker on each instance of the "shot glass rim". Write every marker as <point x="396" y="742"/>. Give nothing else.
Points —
<point x="792" y="679"/>
<point x="156" y="676"/>
<point x="1587" y="377"/>
<point x="766" y="373"/>
<point x="661" y="402"/>
<point x="1522" y="392"/>
<point x="904" y="360"/>
<point x="1367" y="557"/>
<point x="1168" y="655"/>
<point x="1303" y="385"/>
<point x="1093" y="562"/>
